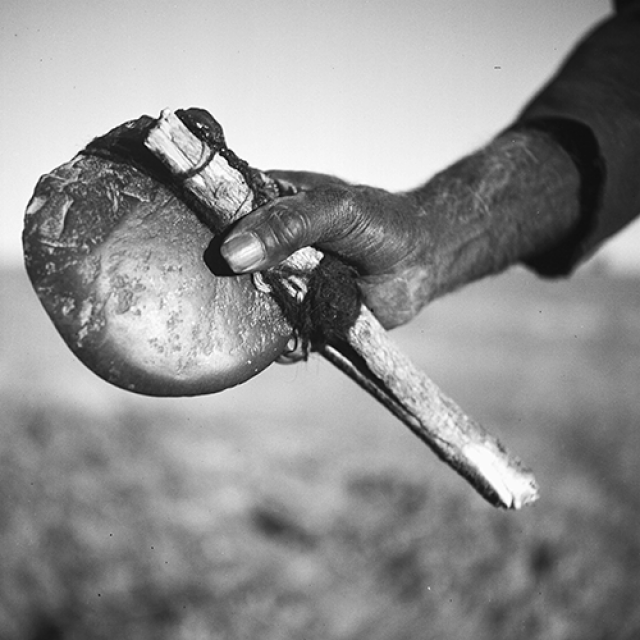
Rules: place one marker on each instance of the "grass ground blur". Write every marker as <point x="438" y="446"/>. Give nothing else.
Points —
<point x="294" y="507"/>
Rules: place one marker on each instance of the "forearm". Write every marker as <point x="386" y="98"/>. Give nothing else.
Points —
<point x="598" y="88"/>
<point x="511" y="200"/>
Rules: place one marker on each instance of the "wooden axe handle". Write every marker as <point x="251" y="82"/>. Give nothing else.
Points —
<point x="381" y="367"/>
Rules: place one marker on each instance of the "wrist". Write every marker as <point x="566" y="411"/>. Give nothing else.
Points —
<point x="511" y="200"/>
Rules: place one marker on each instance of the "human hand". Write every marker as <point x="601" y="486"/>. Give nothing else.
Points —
<point x="385" y="236"/>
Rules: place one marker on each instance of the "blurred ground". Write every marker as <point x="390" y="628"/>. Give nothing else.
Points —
<point x="294" y="507"/>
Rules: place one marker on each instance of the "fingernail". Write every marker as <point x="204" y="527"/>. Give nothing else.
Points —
<point x="243" y="252"/>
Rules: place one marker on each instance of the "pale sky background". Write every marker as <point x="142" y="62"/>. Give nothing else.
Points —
<point x="380" y="92"/>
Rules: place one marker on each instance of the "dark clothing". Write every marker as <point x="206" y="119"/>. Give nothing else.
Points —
<point x="592" y="107"/>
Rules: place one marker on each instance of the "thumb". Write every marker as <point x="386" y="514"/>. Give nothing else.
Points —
<point x="268" y="235"/>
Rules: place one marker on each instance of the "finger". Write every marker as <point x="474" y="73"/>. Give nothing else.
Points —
<point x="305" y="180"/>
<point x="273" y="232"/>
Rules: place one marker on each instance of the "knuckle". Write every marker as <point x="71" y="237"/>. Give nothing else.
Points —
<point x="288" y="227"/>
<point x="330" y="216"/>
<point x="338" y="207"/>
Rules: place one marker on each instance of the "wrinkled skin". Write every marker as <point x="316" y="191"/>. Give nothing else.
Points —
<point x="119" y="264"/>
<point x="371" y="229"/>
<point x="511" y="200"/>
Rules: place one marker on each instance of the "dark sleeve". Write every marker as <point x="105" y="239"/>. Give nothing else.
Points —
<point x="592" y="108"/>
